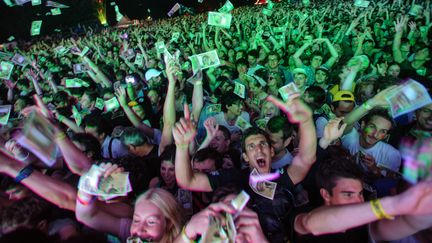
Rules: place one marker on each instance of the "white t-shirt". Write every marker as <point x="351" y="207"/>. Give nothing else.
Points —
<point x="320" y="124"/>
<point x="384" y="154"/>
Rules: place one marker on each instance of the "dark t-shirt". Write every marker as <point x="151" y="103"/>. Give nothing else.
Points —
<point x="355" y="235"/>
<point x="274" y="215"/>
<point x="141" y="169"/>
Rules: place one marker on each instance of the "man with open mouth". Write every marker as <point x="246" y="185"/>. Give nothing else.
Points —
<point x="274" y="210"/>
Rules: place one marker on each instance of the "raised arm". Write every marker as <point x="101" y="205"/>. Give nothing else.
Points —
<point x="298" y="112"/>
<point x="334" y="54"/>
<point x="197" y="96"/>
<point x="53" y="190"/>
<point x="399" y="26"/>
<point x="379" y="100"/>
<point x="332" y="219"/>
<point x="332" y="131"/>
<point x="299" y="52"/>
<point x="120" y="92"/>
<point x="75" y="159"/>
<point x="132" y="67"/>
<point x="99" y="74"/>
<point x="89" y="212"/>
<point x="169" y="116"/>
<point x="204" y="37"/>
<point x="211" y="127"/>
<point x="184" y="133"/>
<point x="69" y="123"/>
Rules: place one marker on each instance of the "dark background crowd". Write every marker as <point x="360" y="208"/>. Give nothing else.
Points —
<point x="337" y="154"/>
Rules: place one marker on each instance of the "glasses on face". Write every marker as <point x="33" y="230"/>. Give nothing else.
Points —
<point x="252" y="146"/>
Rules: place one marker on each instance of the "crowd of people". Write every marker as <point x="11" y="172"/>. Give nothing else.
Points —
<point x="333" y="148"/>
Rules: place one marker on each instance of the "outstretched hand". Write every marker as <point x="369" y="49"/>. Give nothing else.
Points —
<point x="120" y="92"/>
<point x="380" y="99"/>
<point x="334" y="130"/>
<point x="184" y="131"/>
<point x="400" y="23"/>
<point x="294" y="107"/>
<point x="416" y="200"/>
<point x="211" y="127"/>
<point x="171" y="69"/>
<point x="38" y="107"/>
<point x="110" y="169"/>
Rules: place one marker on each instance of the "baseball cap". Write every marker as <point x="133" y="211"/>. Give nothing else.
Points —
<point x="323" y="68"/>
<point x="300" y="70"/>
<point x="151" y="73"/>
<point x="343" y="95"/>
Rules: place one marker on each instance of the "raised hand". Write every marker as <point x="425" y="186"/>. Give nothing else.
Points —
<point x="416" y="200"/>
<point x="76" y="51"/>
<point x="199" y="223"/>
<point x="294" y="107"/>
<point x="211" y="127"/>
<point x="171" y="70"/>
<point x="9" y="84"/>
<point x="110" y="169"/>
<point x="382" y="68"/>
<point x="334" y="130"/>
<point x="400" y="23"/>
<point x="184" y="131"/>
<point x="120" y="92"/>
<point x="248" y="227"/>
<point x="380" y="98"/>
<point x="412" y="25"/>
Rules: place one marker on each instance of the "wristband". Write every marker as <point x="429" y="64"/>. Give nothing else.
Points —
<point x="378" y="210"/>
<point x="84" y="202"/>
<point x="60" y="136"/>
<point x="185" y="145"/>
<point x="60" y="118"/>
<point x="367" y="106"/>
<point x="184" y="237"/>
<point x="199" y="83"/>
<point x="24" y="173"/>
<point x="132" y="103"/>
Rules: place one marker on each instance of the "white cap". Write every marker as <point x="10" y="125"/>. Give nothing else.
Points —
<point x="151" y="73"/>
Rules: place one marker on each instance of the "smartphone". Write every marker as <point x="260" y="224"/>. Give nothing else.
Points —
<point x="130" y="79"/>
<point x="124" y="36"/>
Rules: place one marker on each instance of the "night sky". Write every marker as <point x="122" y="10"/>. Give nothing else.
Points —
<point x="16" y="21"/>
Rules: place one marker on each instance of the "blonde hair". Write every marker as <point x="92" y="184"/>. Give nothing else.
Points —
<point x="166" y="202"/>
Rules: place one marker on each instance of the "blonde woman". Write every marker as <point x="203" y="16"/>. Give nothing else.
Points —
<point x="156" y="216"/>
